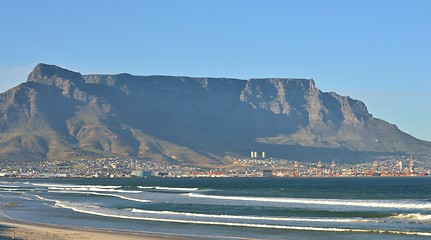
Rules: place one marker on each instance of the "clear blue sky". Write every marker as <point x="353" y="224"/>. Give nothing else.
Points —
<point x="376" y="51"/>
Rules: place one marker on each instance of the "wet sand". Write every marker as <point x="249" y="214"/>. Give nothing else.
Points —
<point x="11" y="229"/>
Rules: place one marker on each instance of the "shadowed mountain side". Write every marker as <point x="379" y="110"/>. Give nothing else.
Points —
<point x="60" y="114"/>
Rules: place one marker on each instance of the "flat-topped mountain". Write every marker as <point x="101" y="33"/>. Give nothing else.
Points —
<point x="61" y="114"/>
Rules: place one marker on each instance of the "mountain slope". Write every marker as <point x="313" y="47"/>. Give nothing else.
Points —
<point x="61" y="114"/>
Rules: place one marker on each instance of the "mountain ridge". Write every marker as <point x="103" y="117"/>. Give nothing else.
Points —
<point x="61" y="114"/>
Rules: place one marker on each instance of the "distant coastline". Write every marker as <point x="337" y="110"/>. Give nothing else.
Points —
<point x="242" y="167"/>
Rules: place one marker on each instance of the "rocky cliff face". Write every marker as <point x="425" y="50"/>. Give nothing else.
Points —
<point x="301" y="100"/>
<point x="60" y="114"/>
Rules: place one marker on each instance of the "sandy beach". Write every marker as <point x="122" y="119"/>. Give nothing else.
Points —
<point x="26" y="231"/>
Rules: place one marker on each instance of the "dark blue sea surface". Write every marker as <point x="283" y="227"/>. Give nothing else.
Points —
<point x="230" y="208"/>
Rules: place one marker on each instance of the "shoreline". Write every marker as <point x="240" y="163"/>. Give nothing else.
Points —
<point x="16" y="229"/>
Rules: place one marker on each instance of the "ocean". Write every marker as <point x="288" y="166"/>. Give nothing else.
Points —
<point x="230" y="208"/>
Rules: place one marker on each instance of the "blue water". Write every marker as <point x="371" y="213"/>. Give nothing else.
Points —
<point x="217" y="208"/>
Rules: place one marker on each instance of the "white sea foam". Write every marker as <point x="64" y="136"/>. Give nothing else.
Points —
<point x="105" y="194"/>
<point x="187" y="214"/>
<point x="177" y="189"/>
<point x="45" y="199"/>
<point x="413" y="216"/>
<point x="9" y="186"/>
<point x="102" y="212"/>
<point x="10" y="189"/>
<point x="332" y="202"/>
<point x="145" y="187"/>
<point x="169" y="188"/>
<point x="93" y="189"/>
<point x="74" y="186"/>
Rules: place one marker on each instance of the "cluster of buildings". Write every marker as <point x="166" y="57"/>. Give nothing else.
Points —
<point x="384" y="166"/>
<point x="92" y="168"/>
<point x="257" y="165"/>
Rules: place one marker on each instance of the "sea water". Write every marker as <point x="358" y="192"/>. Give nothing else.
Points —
<point x="230" y="208"/>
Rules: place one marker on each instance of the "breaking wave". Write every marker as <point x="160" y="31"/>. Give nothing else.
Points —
<point x="93" y="189"/>
<point x="9" y="186"/>
<point x="169" y="188"/>
<point x="106" y="194"/>
<point x="123" y="215"/>
<point x="74" y="186"/>
<point x="332" y="202"/>
<point x="413" y="216"/>
<point x="146" y="187"/>
<point x="188" y="214"/>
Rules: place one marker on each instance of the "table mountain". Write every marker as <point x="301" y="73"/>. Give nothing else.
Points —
<point x="61" y="114"/>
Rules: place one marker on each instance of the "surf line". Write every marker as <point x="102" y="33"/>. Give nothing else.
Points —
<point x="356" y="203"/>
<point x="232" y="224"/>
<point x="189" y="214"/>
<point x="105" y="194"/>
